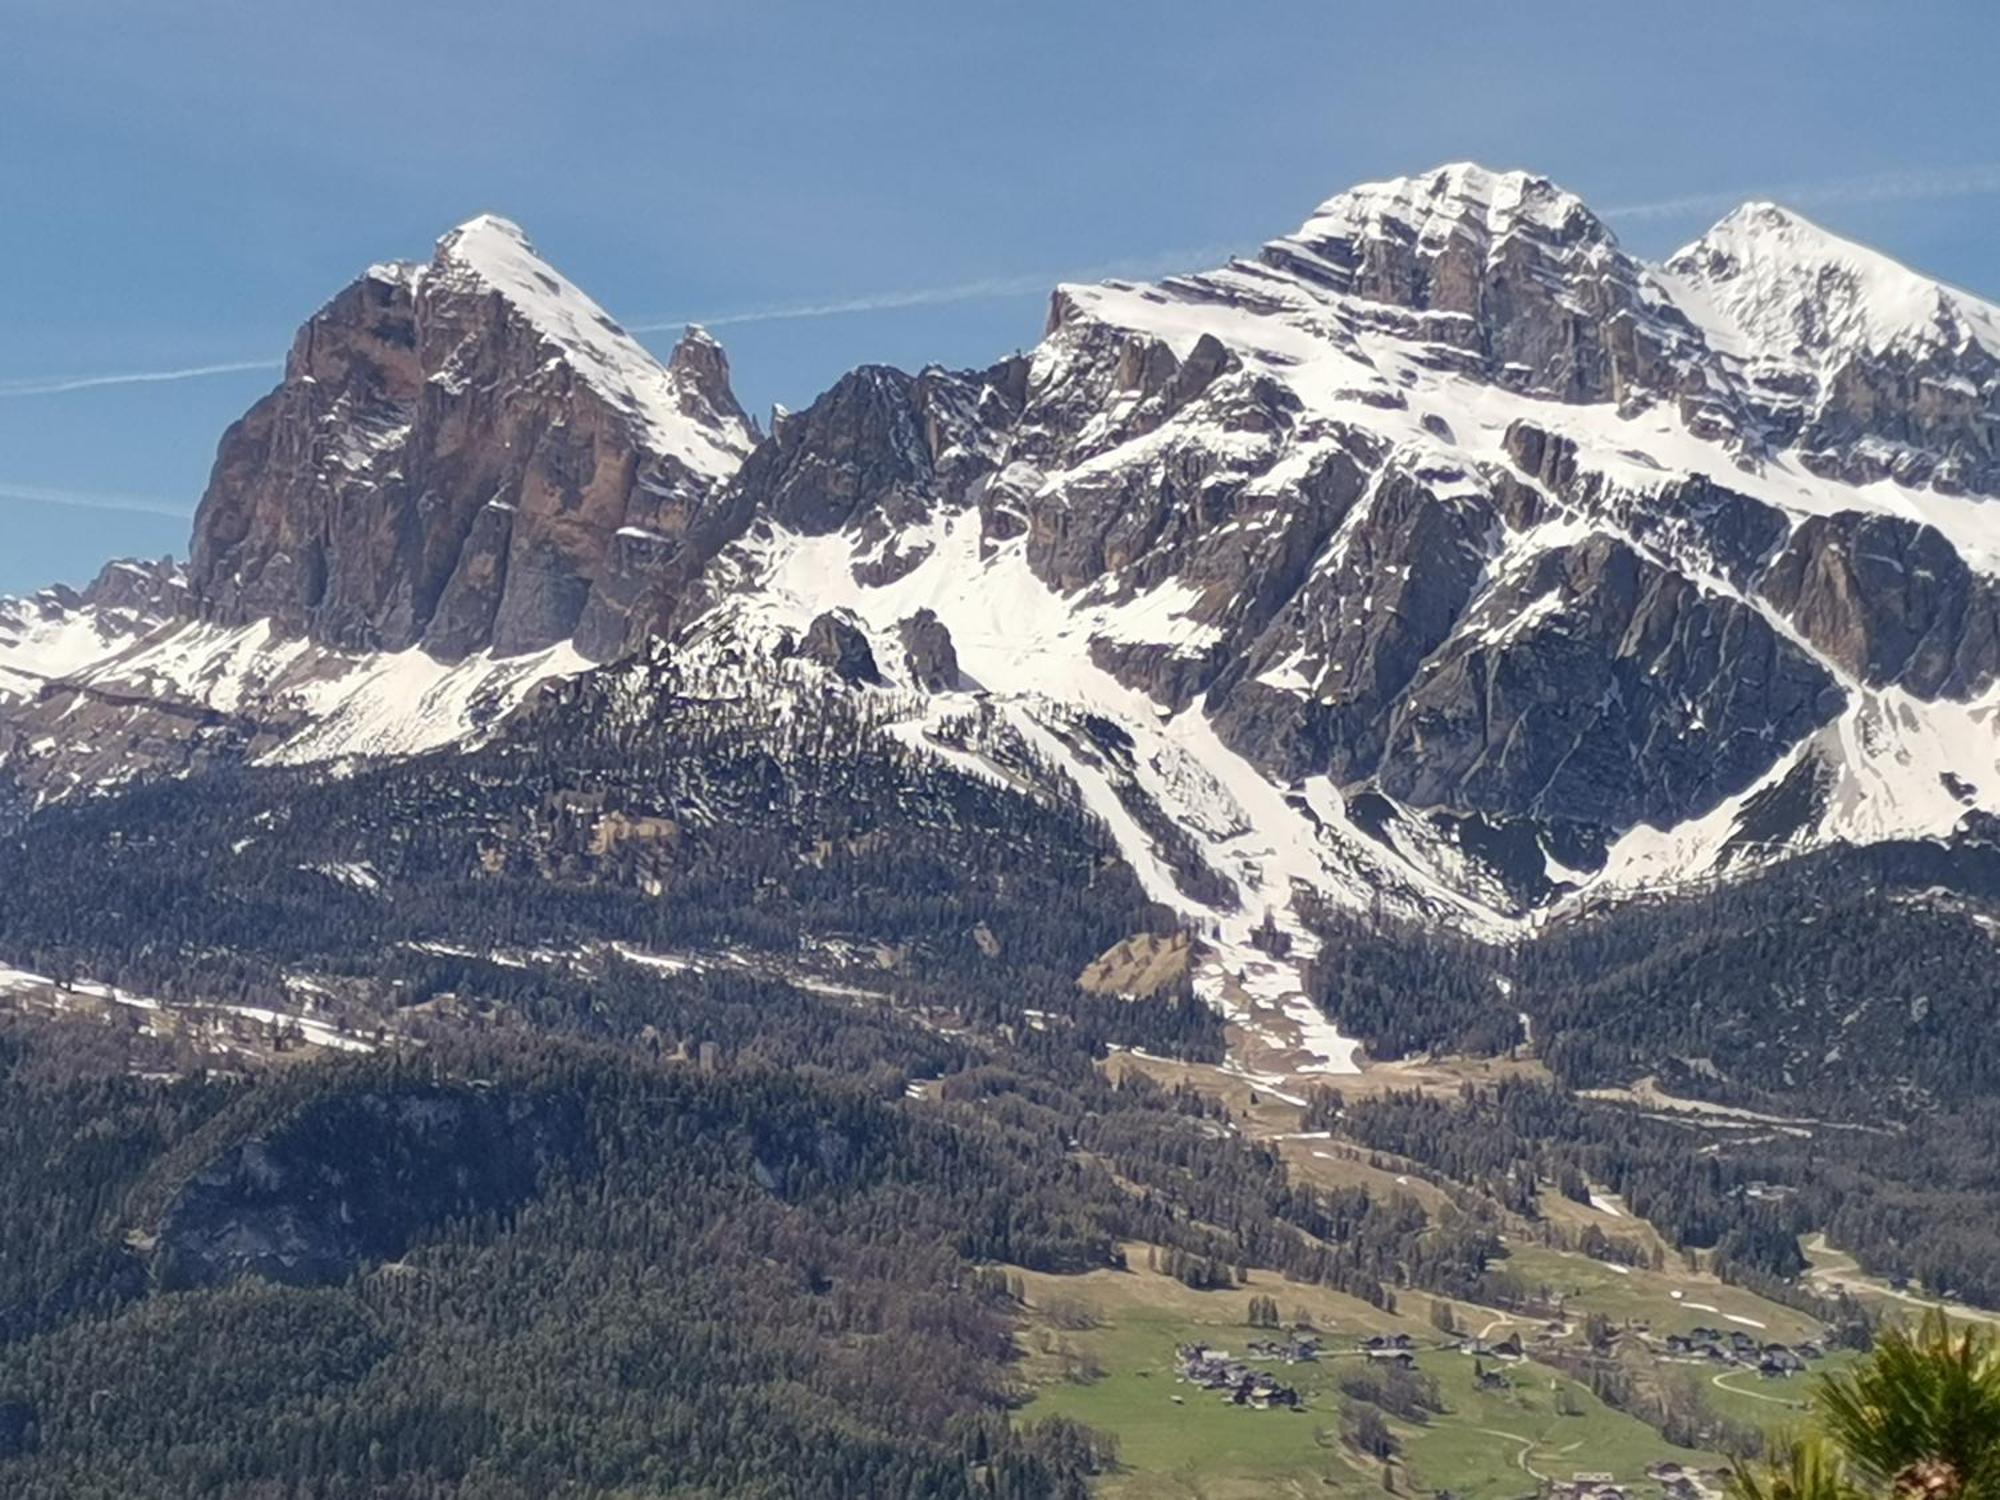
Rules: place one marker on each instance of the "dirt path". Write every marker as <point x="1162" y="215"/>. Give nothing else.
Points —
<point x="1528" y="1445"/>
<point x="1646" y="1093"/>
<point x="1785" y="1401"/>
<point x="1830" y="1268"/>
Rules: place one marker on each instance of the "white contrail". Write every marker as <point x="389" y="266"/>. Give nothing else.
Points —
<point x="53" y="385"/>
<point x="1881" y="187"/>
<point x="35" y="494"/>
<point x="962" y="291"/>
<point x="929" y="296"/>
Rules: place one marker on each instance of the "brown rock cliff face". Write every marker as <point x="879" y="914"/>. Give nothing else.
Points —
<point x="465" y="456"/>
<point x="1890" y="602"/>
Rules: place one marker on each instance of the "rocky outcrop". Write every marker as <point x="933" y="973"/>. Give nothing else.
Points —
<point x="466" y="456"/>
<point x="859" y="446"/>
<point x="1316" y="693"/>
<point x="1597" y="688"/>
<point x="353" y="1180"/>
<point x="878" y="454"/>
<point x="1688" y="520"/>
<point x="1890" y="601"/>
<point x="838" y="643"/>
<point x="929" y="657"/>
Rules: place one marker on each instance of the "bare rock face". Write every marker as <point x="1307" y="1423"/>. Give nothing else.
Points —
<point x="838" y="643"/>
<point x="1688" y="519"/>
<point x="859" y="445"/>
<point x="878" y="454"/>
<point x="1598" y="688"/>
<point x="928" y="653"/>
<point x="468" y="455"/>
<point x="133" y="594"/>
<point x="1890" y="602"/>
<point x="1316" y="693"/>
<point x="1143" y="522"/>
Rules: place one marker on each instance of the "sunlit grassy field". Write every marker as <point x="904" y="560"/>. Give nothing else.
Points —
<point x="1101" y="1350"/>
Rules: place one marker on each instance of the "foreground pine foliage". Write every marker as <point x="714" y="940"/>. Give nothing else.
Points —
<point x="1918" y="1420"/>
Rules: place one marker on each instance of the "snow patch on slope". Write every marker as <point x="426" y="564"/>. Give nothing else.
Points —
<point x="1891" y="766"/>
<point x="404" y="703"/>
<point x="43" y="638"/>
<point x="23" y="987"/>
<point x="297" y="702"/>
<point x="1024" y="651"/>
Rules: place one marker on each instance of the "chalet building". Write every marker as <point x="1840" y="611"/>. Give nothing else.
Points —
<point x="1390" y="1342"/>
<point x="1771" y="1359"/>
<point x="1237" y="1383"/>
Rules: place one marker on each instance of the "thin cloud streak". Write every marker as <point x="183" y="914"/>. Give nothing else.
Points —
<point x="984" y="289"/>
<point x="136" y="505"/>
<point x="1886" y="187"/>
<point x="1882" y="187"/>
<point x="55" y="385"/>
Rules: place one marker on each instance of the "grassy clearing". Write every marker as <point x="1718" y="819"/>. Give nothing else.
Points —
<point x="1175" y="1440"/>
<point x="1497" y="1444"/>
<point x="1259" y="1109"/>
<point x="1141" y="965"/>
<point x="1567" y="1214"/>
<point x="1101" y="1350"/>
<point x="1338" y="1164"/>
<point x="1592" y="1286"/>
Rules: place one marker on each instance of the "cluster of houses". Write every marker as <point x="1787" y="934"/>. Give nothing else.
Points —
<point x="1679" y="1481"/>
<point x="1389" y="1348"/>
<point x="1293" y="1350"/>
<point x="1774" y="1361"/>
<point x="1676" y="1482"/>
<point x="1586" y="1486"/>
<point x="1239" y="1384"/>
<point x="1508" y="1348"/>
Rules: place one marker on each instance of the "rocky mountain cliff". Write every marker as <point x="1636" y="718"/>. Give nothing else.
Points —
<point x="1491" y="548"/>
<point x="469" y="454"/>
<point x="1442" y="554"/>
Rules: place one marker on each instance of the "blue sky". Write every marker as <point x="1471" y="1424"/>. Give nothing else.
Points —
<point x="181" y="183"/>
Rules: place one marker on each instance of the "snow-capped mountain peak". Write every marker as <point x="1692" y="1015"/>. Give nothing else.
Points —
<point x="1778" y="286"/>
<point x="498" y="254"/>
<point x="467" y="456"/>
<point x="1457" y="198"/>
